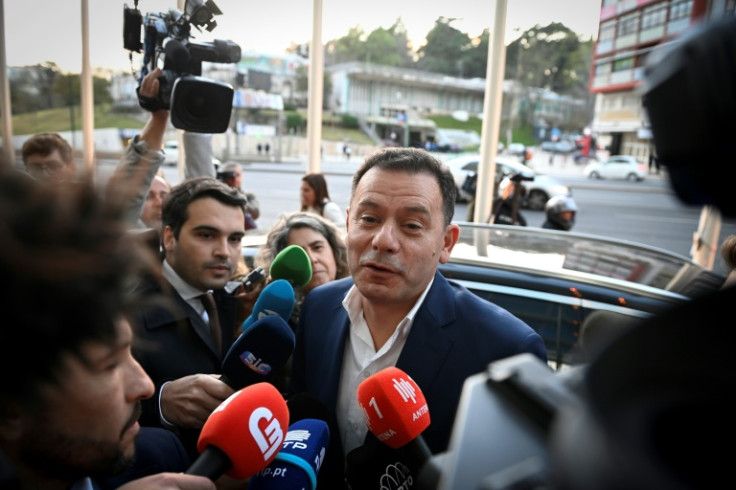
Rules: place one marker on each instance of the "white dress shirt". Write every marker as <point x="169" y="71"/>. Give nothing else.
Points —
<point x="360" y="361"/>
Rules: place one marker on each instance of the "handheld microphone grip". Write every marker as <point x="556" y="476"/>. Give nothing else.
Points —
<point x="292" y="264"/>
<point x="277" y="298"/>
<point x="297" y="464"/>
<point x="258" y="351"/>
<point x="243" y="434"/>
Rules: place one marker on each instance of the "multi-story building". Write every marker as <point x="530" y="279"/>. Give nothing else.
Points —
<point x="629" y="31"/>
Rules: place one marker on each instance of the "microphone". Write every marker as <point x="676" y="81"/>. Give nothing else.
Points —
<point x="292" y="264"/>
<point x="277" y="298"/>
<point x="243" y="434"/>
<point x="264" y="347"/>
<point x="396" y="412"/>
<point x="297" y="464"/>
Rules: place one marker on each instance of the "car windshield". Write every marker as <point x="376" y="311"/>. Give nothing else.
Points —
<point x="586" y="257"/>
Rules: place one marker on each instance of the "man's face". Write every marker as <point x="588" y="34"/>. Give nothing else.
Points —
<point x="208" y="247"/>
<point x="151" y="213"/>
<point x="89" y="421"/>
<point x="324" y="268"/>
<point x="51" y="167"/>
<point x="396" y="235"/>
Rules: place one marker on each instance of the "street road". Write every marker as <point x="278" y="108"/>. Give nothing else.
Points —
<point x="646" y="212"/>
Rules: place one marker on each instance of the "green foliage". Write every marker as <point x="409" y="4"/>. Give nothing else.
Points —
<point x="295" y="122"/>
<point x="60" y="119"/>
<point x="349" y="121"/>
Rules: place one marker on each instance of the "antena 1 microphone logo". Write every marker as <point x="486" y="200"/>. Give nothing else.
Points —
<point x="270" y="438"/>
<point x="405" y="389"/>
<point x="255" y="363"/>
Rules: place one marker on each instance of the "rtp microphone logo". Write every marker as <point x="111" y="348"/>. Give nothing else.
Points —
<point x="270" y="438"/>
<point x="405" y="389"/>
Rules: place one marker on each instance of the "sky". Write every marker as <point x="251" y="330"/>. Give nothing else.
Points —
<point x="50" y="30"/>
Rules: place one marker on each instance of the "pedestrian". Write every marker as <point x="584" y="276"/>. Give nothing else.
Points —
<point x="315" y="198"/>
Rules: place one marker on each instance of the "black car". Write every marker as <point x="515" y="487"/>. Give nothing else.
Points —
<point x="554" y="280"/>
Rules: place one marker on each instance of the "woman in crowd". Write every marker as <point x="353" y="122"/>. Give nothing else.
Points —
<point x="322" y="241"/>
<point x="316" y="199"/>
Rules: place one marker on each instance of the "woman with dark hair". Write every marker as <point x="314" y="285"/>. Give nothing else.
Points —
<point x="321" y="240"/>
<point x="316" y="199"/>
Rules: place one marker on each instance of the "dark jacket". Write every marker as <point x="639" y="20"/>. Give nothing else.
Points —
<point x="455" y="334"/>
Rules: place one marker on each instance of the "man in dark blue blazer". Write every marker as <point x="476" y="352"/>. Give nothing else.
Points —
<point x="397" y="310"/>
<point x="176" y="340"/>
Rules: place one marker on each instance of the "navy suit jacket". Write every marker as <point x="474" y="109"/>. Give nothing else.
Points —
<point x="455" y="334"/>
<point x="172" y="341"/>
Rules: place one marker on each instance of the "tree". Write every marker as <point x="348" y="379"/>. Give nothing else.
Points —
<point x="444" y="48"/>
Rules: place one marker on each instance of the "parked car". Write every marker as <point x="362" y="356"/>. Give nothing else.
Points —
<point x="616" y="167"/>
<point x="538" y="190"/>
<point x="553" y="280"/>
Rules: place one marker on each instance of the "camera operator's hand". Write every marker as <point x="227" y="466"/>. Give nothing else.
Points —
<point x="148" y="92"/>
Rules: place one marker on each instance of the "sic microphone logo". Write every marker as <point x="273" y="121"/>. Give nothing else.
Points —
<point x="297" y="439"/>
<point x="255" y="363"/>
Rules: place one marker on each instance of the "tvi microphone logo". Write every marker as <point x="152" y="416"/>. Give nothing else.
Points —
<point x="405" y="389"/>
<point x="270" y="438"/>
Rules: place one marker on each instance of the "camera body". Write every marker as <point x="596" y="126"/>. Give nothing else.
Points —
<point x="196" y="103"/>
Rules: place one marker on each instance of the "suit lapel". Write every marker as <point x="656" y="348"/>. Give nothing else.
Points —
<point x="429" y="343"/>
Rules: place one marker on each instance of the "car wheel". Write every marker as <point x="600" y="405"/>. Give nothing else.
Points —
<point x="594" y="175"/>
<point x="632" y="177"/>
<point x="536" y="200"/>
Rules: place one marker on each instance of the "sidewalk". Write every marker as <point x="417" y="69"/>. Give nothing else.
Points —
<point x="338" y="165"/>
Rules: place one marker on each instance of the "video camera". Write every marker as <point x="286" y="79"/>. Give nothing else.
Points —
<point x="197" y="104"/>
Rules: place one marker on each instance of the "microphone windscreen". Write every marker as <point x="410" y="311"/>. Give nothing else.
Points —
<point x="297" y="464"/>
<point x="305" y="406"/>
<point x="393" y="406"/>
<point x="249" y="428"/>
<point x="277" y="298"/>
<point x="292" y="264"/>
<point x="264" y="347"/>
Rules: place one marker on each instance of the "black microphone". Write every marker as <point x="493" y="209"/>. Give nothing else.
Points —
<point x="260" y="350"/>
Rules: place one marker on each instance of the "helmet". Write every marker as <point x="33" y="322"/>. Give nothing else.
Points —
<point x="557" y="205"/>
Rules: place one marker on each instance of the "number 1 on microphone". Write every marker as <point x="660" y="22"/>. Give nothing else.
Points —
<point x="374" y="404"/>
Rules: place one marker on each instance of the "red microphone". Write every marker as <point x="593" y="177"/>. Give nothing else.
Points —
<point x="395" y="410"/>
<point x="242" y="435"/>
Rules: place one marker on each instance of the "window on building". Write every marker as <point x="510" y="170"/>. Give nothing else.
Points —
<point x="628" y="24"/>
<point x="608" y="31"/>
<point x="623" y="64"/>
<point x="654" y="16"/>
<point x="681" y="9"/>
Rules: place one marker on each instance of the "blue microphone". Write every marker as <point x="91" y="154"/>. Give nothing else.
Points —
<point x="277" y="298"/>
<point x="301" y="456"/>
<point x="263" y="348"/>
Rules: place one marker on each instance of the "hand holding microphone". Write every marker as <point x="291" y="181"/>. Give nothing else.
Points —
<point x="243" y="435"/>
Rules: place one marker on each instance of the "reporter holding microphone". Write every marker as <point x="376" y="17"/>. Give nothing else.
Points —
<point x="396" y="309"/>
